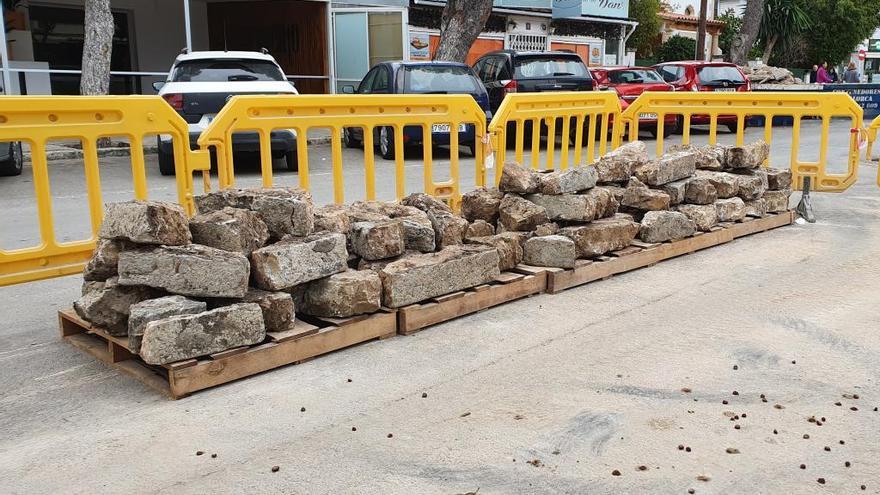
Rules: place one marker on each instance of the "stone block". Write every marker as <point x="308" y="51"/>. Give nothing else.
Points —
<point x="676" y="190"/>
<point x="509" y="246"/>
<point x="668" y="168"/>
<point x="756" y="208"/>
<point x="569" y="181"/>
<point x="479" y="228"/>
<point x="332" y="218"/>
<point x="550" y="250"/>
<point x="516" y="178"/>
<point x="602" y="236"/>
<point x="285" y="210"/>
<point x="285" y="264"/>
<point x="778" y="179"/>
<point x="103" y="263"/>
<point x="449" y="229"/>
<point x="730" y="209"/>
<point x="425" y="203"/>
<point x="108" y="304"/>
<point x="700" y="191"/>
<point x="343" y="294"/>
<point x="481" y="204"/>
<point x="145" y="222"/>
<point x="377" y="240"/>
<point x="520" y="214"/>
<point x="230" y="229"/>
<point x="641" y="198"/>
<point x="748" y="156"/>
<point x="662" y="226"/>
<point x="618" y="165"/>
<point x="704" y="216"/>
<point x="750" y="187"/>
<point x="777" y="201"/>
<point x="726" y="184"/>
<point x="277" y="307"/>
<point x="156" y="309"/>
<point x="193" y="270"/>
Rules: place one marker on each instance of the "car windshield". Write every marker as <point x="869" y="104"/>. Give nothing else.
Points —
<point x="222" y="70"/>
<point x="549" y="66"/>
<point x="635" y="76"/>
<point x="719" y="74"/>
<point x="439" y="79"/>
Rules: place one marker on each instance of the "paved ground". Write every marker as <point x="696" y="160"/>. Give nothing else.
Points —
<point x="546" y="395"/>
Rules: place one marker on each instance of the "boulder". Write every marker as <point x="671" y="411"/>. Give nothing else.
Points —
<point x="285" y="264"/>
<point x="519" y="214"/>
<point x="550" y="250"/>
<point x="343" y="294"/>
<point x="662" y="226"/>
<point x="569" y="181"/>
<point x="548" y="228"/>
<point x="704" y="216"/>
<point x="676" y="191"/>
<point x="156" y="309"/>
<point x="105" y="258"/>
<point x="193" y="270"/>
<point x="602" y="236"/>
<point x="332" y="218"/>
<point x="449" y="229"/>
<point x="669" y="168"/>
<point x="618" y="165"/>
<point x="641" y="198"/>
<point x="756" y="208"/>
<point x="479" y="228"/>
<point x="418" y="233"/>
<point x="760" y="173"/>
<point x="778" y="179"/>
<point x="708" y="157"/>
<point x="107" y="304"/>
<point x="777" y="201"/>
<point x="748" y="156"/>
<point x="425" y="202"/>
<point x="422" y="276"/>
<point x="481" y="204"/>
<point x="145" y="222"/>
<point x="285" y="210"/>
<point x="230" y="229"/>
<point x="277" y="307"/>
<point x="750" y="187"/>
<point x="377" y="240"/>
<point x="726" y="184"/>
<point x="516" y="178"/>
<point x="730" y="209"/>
<point x="188" y="336"/>
<point x="700" y="191"/>
<point x="509" y="246"/>
<point x="571" y="207"/>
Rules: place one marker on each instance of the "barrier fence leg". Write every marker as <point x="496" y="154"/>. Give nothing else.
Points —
<point x="805" y="207"/>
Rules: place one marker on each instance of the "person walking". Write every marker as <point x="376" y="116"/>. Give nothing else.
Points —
<point x="822" y="74"/>
<point x="851" y="75"/>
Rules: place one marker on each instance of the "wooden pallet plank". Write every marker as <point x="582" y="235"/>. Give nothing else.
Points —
<point x="448" y="297"/>
<point x="414" y="318"/>
<point x="299" y="329"/>
<point x="770" y="221"/>
<point x="507" y="277"/>
<point x="626" y="251"/>
<point x="274" y="354"/>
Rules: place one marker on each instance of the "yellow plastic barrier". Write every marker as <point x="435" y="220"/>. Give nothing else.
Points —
<point x="301" y="113"/>
<point x="769" y="105"/>
<point x="586" y="118"/>
<point x="36" y="120"/>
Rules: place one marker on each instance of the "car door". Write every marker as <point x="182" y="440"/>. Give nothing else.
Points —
<point x="364" y="88"/>
<point x="493" y="70"/>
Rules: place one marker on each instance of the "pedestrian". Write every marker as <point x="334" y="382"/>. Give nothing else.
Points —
<point x="851" y="75"/>
<point x="822" y="74"/>
<point x="832" y="73"/>
<point x="813" y="72"/>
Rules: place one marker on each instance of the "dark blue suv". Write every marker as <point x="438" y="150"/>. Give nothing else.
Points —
<point x="418" y="78"/>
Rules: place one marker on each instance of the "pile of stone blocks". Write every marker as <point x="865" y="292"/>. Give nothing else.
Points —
<point x="589" y="211"/>
<point x="251" y="259"/>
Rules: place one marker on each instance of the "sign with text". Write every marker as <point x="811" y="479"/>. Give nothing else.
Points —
<point x="618" y="9"/>
<point x="419" y="46"/>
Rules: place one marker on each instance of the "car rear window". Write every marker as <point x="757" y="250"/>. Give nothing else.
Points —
<point x="549" y="66"/>
<point x="719" y="73"/>
<point x="634" y="76"/>
<point x="439" y="79"/>
<point x="223" y="70"/>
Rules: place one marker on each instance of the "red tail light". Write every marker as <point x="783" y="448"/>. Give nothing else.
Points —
<point x="510" y="87"/>
<point x="175" y="100"/>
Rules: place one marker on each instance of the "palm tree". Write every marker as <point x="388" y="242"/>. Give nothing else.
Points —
<point x="782" y="21"/>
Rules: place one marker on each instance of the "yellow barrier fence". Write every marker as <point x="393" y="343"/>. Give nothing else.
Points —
<point x="734" y="108"/>
<point x="376" y="116"/>
<point x="584" y="119"/>
<point x="36" y="120"/>
<point x="872" y="136"/>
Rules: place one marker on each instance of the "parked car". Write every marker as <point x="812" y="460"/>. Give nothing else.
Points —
<point x="629" y="83"/>
<point x="418" y="78"/>
<point x="200" y="83"/>
<point x="11" y="158"/>
<point x="697" y="75"/>
<point x="509" y="71"/>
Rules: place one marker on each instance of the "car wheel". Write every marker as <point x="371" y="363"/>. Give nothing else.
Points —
<point x="14" y="164"/>
<point x="386" y="143"/>
<point x="166" y="160"/>
<point x="349" y="141"/>
<point x="291" y="161"/>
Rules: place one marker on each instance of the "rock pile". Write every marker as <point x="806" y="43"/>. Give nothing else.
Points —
<point x="766" y="74"/>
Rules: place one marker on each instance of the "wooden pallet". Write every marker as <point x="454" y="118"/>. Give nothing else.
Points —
<point x="303" y="342"/>
<point x="507" y="287"/>
<point x="641" y="254"/>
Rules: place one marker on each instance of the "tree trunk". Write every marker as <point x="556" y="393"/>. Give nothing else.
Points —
<point x="461" y="23"/>
<point x="97" y="48"/>
<point x="768" y="50"/>
<point x="748" y="32"/>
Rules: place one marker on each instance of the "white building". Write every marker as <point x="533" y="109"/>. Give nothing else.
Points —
<point x="682" y="17"/>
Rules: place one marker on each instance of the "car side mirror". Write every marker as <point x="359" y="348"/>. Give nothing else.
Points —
<point x="348" y="89"/>
<point x="158" y="85"/>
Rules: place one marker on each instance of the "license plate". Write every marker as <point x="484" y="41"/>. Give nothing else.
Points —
<point x="444" y="128"/>
<point x="648" y="116"/>
<point x="730" y="90"/>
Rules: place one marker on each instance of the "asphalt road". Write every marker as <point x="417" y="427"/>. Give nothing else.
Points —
<point x="550" y="394"/>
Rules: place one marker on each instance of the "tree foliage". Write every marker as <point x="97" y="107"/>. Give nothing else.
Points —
<point x="838" y="27"/>
<point x="731" y="29"/>
<point x="644" y="39"/>
<point x="677" y="48"/>
<point x="783" y="20"/>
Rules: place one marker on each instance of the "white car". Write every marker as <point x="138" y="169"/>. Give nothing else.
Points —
<point x="199" y="85"/>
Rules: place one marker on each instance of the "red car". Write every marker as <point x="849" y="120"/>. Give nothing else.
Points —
<point x="629" y="83"/>
<point x="696" y="75"/>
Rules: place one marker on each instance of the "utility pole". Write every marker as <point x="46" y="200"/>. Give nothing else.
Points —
<point x="701" y="33"/>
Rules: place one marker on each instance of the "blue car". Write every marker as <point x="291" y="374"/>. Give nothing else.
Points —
<point x="418" y="78"/>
